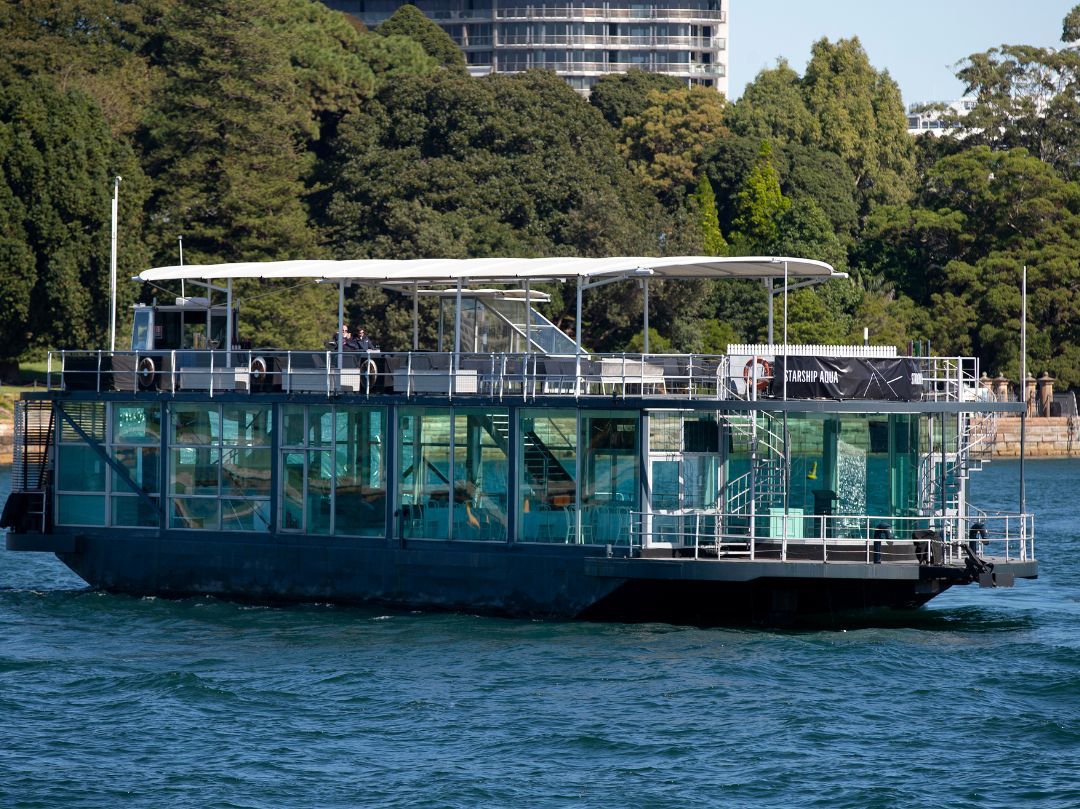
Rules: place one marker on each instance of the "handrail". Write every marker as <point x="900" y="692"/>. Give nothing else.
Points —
<point x="870" y="538"/>
<point x="624" y="375"/>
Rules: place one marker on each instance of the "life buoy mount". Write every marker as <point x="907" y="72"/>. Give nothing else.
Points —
<point x="764" y="373"/>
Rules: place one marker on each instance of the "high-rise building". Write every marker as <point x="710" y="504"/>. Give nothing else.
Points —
<point x="581" y="40"/>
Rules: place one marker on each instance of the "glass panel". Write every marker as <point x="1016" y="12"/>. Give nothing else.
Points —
<point x="195" y="424"/>
<point x="245" y="472"/>
<point x="292" y="501"/>
<point x="80" y="510"/>
<point x="424" y="479"/>
<point x="245" y="515"/>
<point x="143" y="468"/>
<point x="90" y="416"/>
<point x="140" y="331"/>
<point x="360" y="493"/>
<point x="319" y="480"/>
<point x="246" y="425"/>
<point x="194" y="471"/>
<point x="547" y="474"/>
<point x="133" y="511"/>
<point x="665" y="484"/>
<point x="292" y="419"/>
<point x="194" y="512"/>
<point x="79" y="468"/>
<point x="136" y="424"/>
<point x="481" y="474"/>
<point x="320" y="426"/>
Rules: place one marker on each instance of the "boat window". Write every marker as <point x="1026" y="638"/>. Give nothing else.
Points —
<point x="547" y="475"/>
<point x="80" y="474"/>
<point x="453" y="473"/>
<point x="141" y="330"/>
<point x="220" y="466"/>
<point x="332" y="470"/>
<point x="481" y="473"/>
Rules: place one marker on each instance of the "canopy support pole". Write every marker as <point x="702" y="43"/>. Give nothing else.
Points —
<point x="577" y="320"/>
<point x="457" y="327"/>
<point x="340" y="320"/>
<point x="769" y="291"/>
<point x="645" y="286"/>
<point x="228" y="322"/>
<point x="528" y="316"/>
<point x="416" y="316"/>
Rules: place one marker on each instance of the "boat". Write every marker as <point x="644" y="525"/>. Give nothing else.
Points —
<point x="508" y="469"/>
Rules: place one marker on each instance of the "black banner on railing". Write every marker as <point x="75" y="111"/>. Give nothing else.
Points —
<point x="848" y="378"/>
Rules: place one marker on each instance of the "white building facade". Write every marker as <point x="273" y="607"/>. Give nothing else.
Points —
<point x="581" y="40"/>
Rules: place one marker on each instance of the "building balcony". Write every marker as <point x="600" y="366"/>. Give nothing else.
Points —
<point x="607" y="42"/>
<point x="596" y="13"/>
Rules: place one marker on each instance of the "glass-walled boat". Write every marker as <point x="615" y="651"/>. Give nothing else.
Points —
<point x="510" y="469"/>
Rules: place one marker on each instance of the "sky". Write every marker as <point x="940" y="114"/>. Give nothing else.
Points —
<point x="917" y="41"/>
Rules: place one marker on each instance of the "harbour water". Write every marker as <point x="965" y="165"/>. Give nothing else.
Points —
<point x="973" y="701"/>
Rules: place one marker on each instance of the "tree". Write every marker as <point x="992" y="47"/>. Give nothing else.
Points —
<point x="1070" y="26"/>
<point x="760" y="204"/>
<point x="409" y="21"/>
<point x="704" y="202"/>
<point x="773" y="107"/>
<point x="619" y="96"/>
<point x="1026" y="97"/>
<point x="104" y="48"/>
<point x="223" y="140"/>
<point x="57" y="163"/>
<point x="982" y="216"/>
<point x="862" y="119"/>
<point x="666" y="142"/>
<point x="521" y="165"/>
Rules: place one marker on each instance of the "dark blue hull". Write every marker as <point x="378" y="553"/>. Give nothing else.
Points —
<point x="539" y="581"/>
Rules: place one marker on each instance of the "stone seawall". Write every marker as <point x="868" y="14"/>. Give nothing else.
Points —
<point x="1053" y="437"/>
<point x="7" y="437"/>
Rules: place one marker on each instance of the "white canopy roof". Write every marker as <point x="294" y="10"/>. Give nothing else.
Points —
<point x="498" y="270"/>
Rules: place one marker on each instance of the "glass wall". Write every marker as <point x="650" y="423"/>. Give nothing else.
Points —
<point x="219" y="466"/>
<point x="453" y="473"/>
<point x="853" y="465"/>
<point x="610" y="484"/>
<point x="686" y="467"/>
<point x="80" y="470"/>
<point x="332" y="470"/>
<point x="136" y="446"/>
<point x="547" y="475"/>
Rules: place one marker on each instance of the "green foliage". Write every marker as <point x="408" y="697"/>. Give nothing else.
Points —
<point x="773" y="107"/>
<point x="223" y="140"/>
<point x="520" y="165"/>
<point x="759" y="206"/>
<point x="1027" y="97"/>
<point x="409" y="21"/>
<point x="57" y="163"/>
<point x="104" y="48"/>
<point x="658" y="344"/>
<point x="704" y="201"/>
<point x="666" y="142"/>
<point x="1070" y="26"/>
<point x="959" y="253"/>
<point x="862" y="120"/>
<point x="619" y="96"/>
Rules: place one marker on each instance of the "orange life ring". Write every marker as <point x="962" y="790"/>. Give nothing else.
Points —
<point x="764" y="376"/>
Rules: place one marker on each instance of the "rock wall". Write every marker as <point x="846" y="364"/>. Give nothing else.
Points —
<point x="1053" y="437"/>
<point x="7" y="436"/>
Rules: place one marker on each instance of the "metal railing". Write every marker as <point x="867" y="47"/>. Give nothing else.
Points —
<point x="712" y="533"/>
<point x="621" y="375"/>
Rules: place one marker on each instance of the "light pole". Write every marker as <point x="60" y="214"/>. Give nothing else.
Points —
<point x="112" y="266"/>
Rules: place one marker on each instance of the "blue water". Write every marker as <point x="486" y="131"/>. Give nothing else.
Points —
<point x="974" y="701"/>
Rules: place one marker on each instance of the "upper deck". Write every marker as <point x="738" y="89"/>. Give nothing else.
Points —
<point x="494" y="343"/>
